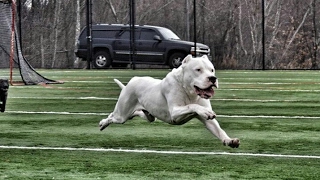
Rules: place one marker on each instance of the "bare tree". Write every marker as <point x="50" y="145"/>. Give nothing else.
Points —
<point x="114" y="13"/>
<point x="240" y="28"/>
<point x="316" y="40"/>
<point x="187" y="19"/>
<point x="232" y="29"/>
<point x="77" y="31"/>
<point x="296" y="31"/>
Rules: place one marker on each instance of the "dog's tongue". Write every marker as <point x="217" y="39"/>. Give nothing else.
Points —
<point x="205" y="93"/>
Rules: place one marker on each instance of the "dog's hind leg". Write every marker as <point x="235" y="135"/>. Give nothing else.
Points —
<point x="124" y="110"/>
<point x="127" y="106"/>
<point x="144" y="115"/>
<point x="107" y="121"/>
<point x="113" y="118"/>
<point x="149" y="116"/>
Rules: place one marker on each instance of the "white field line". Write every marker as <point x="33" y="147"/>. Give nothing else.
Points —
<point x="66" y="98"/>
<point x="229" y="83"/>
<point x="58" y="113"/>
<point x="160" y="152"/>
<point x="271" y="79"/>
<point x="256" y="100"/>
<point x="278" y="90"/>
<point x="269" y="117"/>
<point x="221" y="83"/>
<point x="106" y="114"/>
<point x="226" y="89"/>
<point x="115" y="99"/>
<point x="268" y="83"/>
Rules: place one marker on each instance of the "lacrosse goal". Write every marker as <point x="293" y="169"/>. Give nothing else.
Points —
<point x="21" y="72"/>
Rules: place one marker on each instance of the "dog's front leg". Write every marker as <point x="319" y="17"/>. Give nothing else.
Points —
<point x="213" y="126"/>
<point x="182" y="114"/>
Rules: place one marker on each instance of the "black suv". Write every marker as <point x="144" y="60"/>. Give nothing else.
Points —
<point x="153" y="45"/>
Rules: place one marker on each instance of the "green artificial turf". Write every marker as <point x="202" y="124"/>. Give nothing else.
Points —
<point x="272" y="112"/>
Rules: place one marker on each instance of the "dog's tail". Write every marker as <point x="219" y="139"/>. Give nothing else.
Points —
<point x="119" y="83"/>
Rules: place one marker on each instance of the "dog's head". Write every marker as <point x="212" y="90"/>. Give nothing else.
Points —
<point x="199" y="76"/>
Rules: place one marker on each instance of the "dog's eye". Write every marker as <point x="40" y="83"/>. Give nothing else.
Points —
<point x="211" y="70"/>
<point x="198" y="70"/>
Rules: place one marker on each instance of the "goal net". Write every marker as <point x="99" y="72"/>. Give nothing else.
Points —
<point x="10" y="50"/>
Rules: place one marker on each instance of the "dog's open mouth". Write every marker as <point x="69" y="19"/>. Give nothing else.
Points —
<point x="204" y="93"/>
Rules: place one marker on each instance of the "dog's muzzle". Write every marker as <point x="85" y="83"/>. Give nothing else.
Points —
<point x="213" y="79"/>
<point x="204" y="93"/>
<point x="209" y="91"/>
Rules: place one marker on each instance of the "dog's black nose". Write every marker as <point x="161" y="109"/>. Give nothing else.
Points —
<point x="212" y="79"/>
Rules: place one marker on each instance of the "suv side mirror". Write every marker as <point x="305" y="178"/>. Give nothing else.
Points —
<point x="156" y="37"/>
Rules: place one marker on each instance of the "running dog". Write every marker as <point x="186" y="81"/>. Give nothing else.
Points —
<point x="182" y="95"/>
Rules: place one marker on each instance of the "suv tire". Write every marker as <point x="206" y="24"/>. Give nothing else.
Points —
<point x="101" y="60"/>
<point x="176" y="59"/>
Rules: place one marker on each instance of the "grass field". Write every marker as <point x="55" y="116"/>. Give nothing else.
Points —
<point x="52" y="132"/>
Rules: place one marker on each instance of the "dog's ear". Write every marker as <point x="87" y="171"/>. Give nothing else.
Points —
<point x="205" y="56"/>
<point x="187" y="59"/>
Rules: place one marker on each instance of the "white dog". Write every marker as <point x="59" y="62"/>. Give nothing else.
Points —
<point x="182" y="95"/>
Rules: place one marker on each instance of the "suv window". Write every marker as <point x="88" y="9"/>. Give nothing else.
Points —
<point x="167" y="34"/>
<point x="147" y="34"/>
<point x="125" y="34"/>
<point x="104" y="33"/>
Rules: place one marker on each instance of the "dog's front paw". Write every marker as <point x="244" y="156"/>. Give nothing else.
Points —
<point x="206" y="114"/>
<point x="103" y="124"/>
<point x="233" y="143"/>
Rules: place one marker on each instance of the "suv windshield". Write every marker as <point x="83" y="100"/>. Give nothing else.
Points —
<point x="168" y="34"/>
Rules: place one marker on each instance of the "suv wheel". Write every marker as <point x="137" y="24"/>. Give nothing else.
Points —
<point x="176" y="59"/>
<point x="101" y="59"/>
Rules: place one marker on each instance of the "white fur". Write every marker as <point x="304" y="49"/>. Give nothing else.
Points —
<point x="172" y="100"/>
